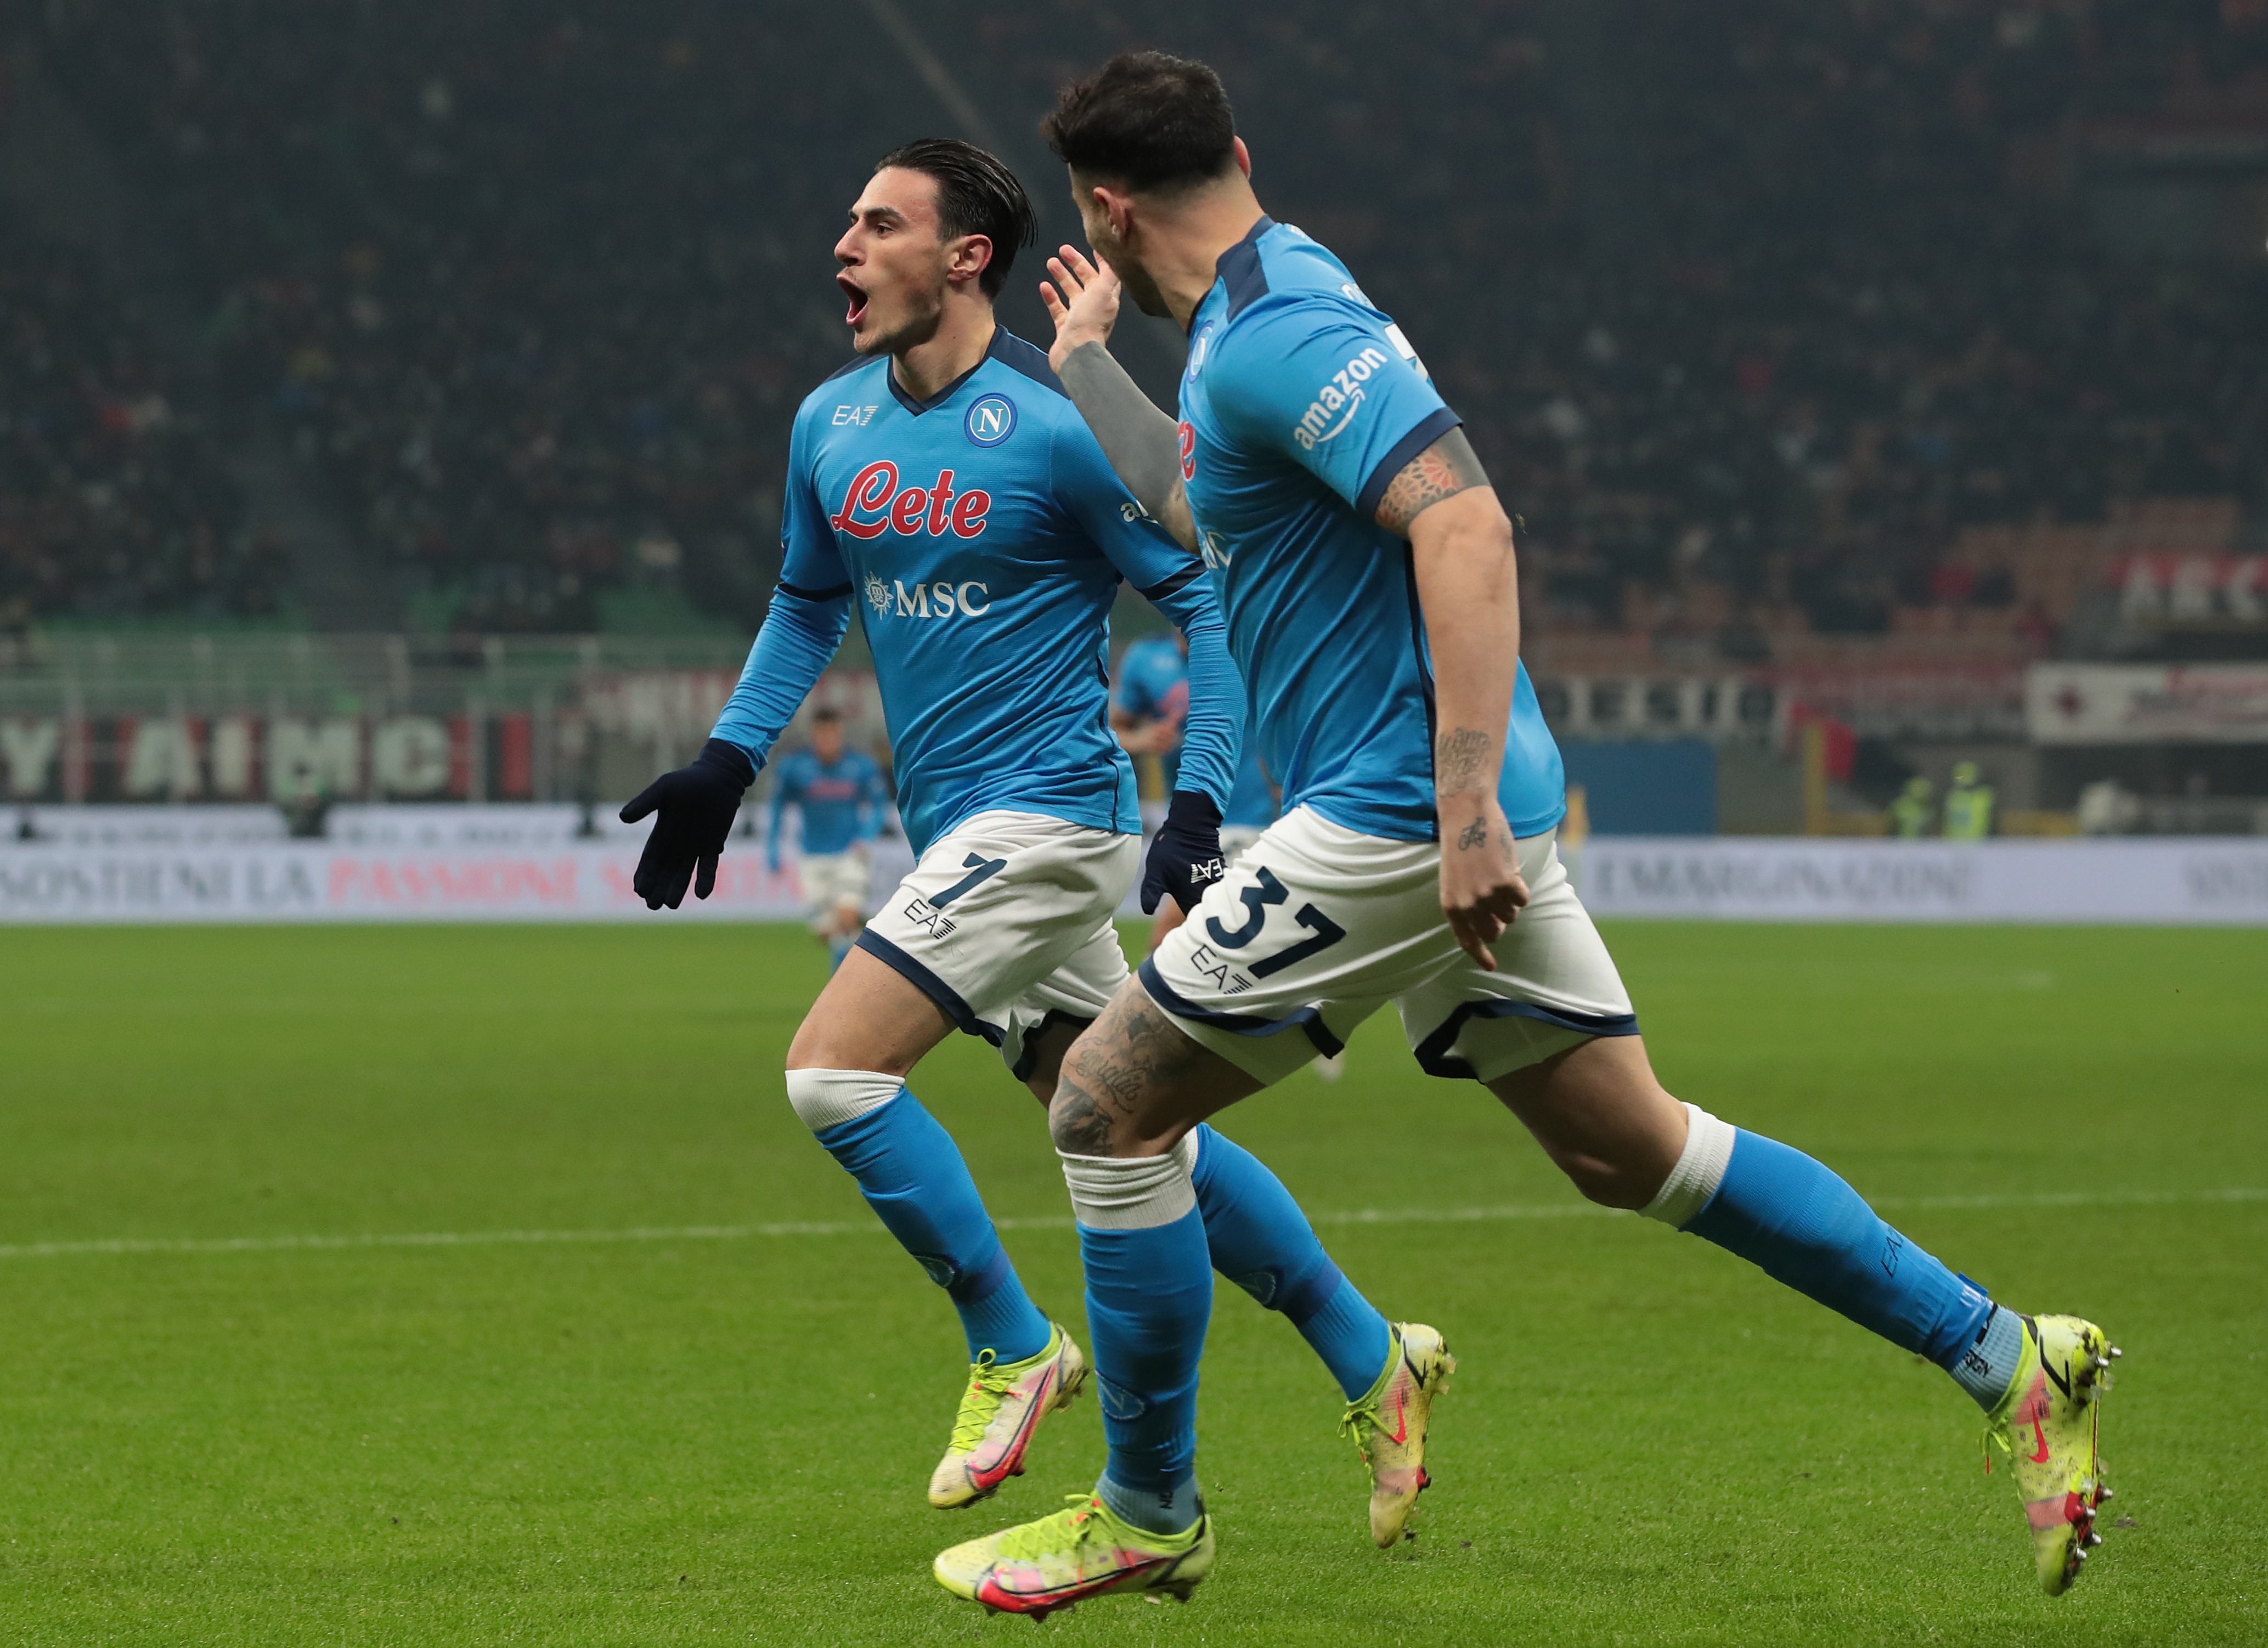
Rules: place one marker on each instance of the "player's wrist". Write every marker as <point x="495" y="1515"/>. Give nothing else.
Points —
<point x="1193" y="809"/>
<point x="729" y="759"/>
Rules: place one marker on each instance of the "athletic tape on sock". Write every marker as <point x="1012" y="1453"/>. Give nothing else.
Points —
<point x="1112" y="1193"/>
<point x="829" y="1098"/>
<point x="1700" y="1169"/>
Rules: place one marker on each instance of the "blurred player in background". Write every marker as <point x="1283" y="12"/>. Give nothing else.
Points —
<point x="1149" y="707"/>
<point x="942" y="486"/>
<point x="1150" y="701"/>
<point x="1337" y="500"/>
<point x="839" y="796"/>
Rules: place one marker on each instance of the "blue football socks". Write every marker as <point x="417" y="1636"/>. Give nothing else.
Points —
<point x="1149" y="1297"/>
<point x="912" y="1176"/>
<point x="1783" y="1212"/>
<point x="1260" y="1239"/>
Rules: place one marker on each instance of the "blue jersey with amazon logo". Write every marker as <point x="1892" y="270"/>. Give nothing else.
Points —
<point x="1299" y="405"/>
<point x="980" y="536"/>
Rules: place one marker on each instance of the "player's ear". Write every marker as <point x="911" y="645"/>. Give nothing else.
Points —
<point x="970" y="257"/>
<point x="1243" y="156"/>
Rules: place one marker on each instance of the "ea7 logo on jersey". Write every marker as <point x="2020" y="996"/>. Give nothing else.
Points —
<point x="855" y="414"/>
<point x="875" y="504"/>
<point x="1335" y="405"/>
<point x="943" y="598"/>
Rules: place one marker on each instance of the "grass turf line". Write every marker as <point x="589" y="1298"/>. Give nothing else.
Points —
<point x="605" y="1443"/>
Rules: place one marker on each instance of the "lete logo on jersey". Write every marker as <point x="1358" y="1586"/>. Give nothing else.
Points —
<point x="875" y="502"/>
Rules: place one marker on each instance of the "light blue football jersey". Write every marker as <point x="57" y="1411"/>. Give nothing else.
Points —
<point x="1300" y="403"/>
<point x="1252" y="804"/>
<point x="980" y="536"/>
<point x="842" y="802"/>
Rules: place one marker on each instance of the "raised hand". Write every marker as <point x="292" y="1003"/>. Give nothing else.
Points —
<point x="1084" y="309"/>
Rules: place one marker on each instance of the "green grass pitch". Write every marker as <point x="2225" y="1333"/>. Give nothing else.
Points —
<point x="719" y="1438"/>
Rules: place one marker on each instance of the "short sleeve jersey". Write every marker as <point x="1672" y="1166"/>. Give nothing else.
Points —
<point x="982" y="536"/>
<point x="1300" y="403"/>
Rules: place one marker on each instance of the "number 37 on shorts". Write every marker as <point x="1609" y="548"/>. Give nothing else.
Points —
<point x="1319" y="926"/>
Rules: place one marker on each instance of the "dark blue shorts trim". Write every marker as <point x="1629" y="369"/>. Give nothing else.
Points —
<point x="1307" y="1019"/>
<point x="1029" y="1058"/>
<point x="1435" y="1059"/>
<point x="928" y="983"/>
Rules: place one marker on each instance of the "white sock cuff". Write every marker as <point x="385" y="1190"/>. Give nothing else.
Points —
<point x="829" y="1098"/>
<point x="1700" y="1169"/>
<point x="1128" y="1192"/>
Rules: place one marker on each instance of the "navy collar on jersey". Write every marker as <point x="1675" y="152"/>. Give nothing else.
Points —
<point x="1005" y="347"/>
<point x="1239" y="269"/>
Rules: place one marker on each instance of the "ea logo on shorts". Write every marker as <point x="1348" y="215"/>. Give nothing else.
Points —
<point x="992" y="419"/>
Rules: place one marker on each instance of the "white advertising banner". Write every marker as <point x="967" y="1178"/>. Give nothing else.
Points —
<point x="2166" y="879"/>
<point x="2170" y="881"/>
<point x="324" y="881"/>
<point x="2147" y="703"/>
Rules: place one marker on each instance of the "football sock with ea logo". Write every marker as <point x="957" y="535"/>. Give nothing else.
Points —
<point x="1259" y="1239"/>
<point x="1801" y="1225"/>
<point x="912" y="1176"/>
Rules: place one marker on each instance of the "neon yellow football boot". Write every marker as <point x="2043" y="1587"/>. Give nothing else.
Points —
<point x="1388" y="1427"/>
<point x="1083" y="1550"/>
<point x="1000" y="1413"/>
<point x="2047" y="1424"/>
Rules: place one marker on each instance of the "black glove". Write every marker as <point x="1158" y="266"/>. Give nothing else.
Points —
<point x="1185" y="855"/>
<point x="696" y="804"/>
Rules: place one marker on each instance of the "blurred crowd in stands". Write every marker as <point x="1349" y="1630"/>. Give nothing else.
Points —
<point x="1755" y="309"/>
<point x="112" y="503"/>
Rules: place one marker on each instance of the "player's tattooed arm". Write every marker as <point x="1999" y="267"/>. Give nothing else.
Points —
<point x="1468" y="586"/>
<point x="1444" y="469"/>
<point x="1142" y="442"/>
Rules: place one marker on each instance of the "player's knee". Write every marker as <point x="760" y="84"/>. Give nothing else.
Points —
<point x="1076" y="1120"/>
<point x="1608" y="1183"/>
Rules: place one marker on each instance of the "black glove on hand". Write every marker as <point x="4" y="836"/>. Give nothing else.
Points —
<point x="696" y="804"/>
<point x="1185" y="855"/>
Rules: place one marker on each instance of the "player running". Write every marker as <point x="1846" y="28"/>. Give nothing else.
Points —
<point x="943" y="486"/>
<point x="1366" y="572"/>
<point x="841" y="798"/>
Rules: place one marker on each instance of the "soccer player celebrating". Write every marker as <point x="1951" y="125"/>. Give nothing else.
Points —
<point x="1366" y="572"/>
<point x="840" y="795"/>
<point x="943" y="485"/>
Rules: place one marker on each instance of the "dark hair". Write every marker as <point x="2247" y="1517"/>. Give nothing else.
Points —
<point x="975" y="195"/>
<point x="824" y="716"/>
<point x="1145" y="119"/>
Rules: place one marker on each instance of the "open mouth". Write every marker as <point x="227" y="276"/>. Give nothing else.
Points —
<point x="857" y="294"/>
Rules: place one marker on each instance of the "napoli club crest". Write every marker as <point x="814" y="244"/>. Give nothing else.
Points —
<point x="992" y="419"/>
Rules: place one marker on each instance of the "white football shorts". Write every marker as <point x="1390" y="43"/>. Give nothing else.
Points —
<point x="831" y="880"/>
<point x="1316" y="927"/>
<point x="1237" y="839"/>
<point x="1007" y="922"/>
